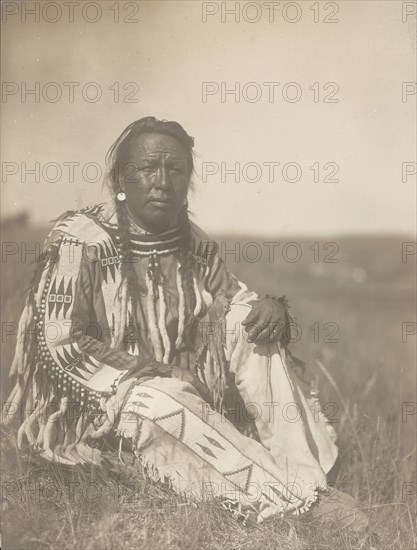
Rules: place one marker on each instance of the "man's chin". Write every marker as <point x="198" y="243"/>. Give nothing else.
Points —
<point x="158" y="224"/>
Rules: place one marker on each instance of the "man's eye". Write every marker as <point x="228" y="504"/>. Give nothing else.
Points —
<point x="176" y="170"/>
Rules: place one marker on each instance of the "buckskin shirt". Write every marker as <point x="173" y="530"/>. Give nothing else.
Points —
<point x="81" y="371"/>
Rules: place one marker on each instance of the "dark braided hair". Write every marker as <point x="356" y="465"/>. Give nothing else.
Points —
<point x="187" y="262"/>
<point x="114" y="159"/>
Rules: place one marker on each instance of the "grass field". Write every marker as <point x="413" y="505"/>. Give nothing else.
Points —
<point x="350" y="316"/>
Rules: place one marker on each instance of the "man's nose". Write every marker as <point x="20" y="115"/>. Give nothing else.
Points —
<point x="162" y="178"/>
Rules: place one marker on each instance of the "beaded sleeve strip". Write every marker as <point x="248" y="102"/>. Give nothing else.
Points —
<point x="58" y="382"/>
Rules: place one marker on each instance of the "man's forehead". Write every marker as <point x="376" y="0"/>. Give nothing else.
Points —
<point x="155" y="145"/>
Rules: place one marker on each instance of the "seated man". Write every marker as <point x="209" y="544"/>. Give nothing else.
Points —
<point x="141" y="329"/>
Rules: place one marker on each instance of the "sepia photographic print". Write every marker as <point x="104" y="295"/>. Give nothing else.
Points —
<point x="208" y="275"/>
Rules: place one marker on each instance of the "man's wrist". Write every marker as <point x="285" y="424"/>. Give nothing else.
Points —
<point x="283" y="300"/>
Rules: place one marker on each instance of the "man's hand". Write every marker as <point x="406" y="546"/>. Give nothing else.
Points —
<point x="267" y="320"/>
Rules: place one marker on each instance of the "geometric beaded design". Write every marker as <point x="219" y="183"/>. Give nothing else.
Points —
<point x="51" y="376"/>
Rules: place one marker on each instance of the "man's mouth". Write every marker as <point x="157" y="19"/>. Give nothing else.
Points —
<point x="161" y="201"/>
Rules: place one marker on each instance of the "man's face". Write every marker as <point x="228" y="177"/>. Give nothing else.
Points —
<point x="155" y="176"/>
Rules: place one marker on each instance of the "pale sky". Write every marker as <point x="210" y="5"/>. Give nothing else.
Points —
<point x="169" y="53"/>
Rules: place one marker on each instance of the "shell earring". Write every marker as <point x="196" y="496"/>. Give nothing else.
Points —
<point x="121" y="195"/>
